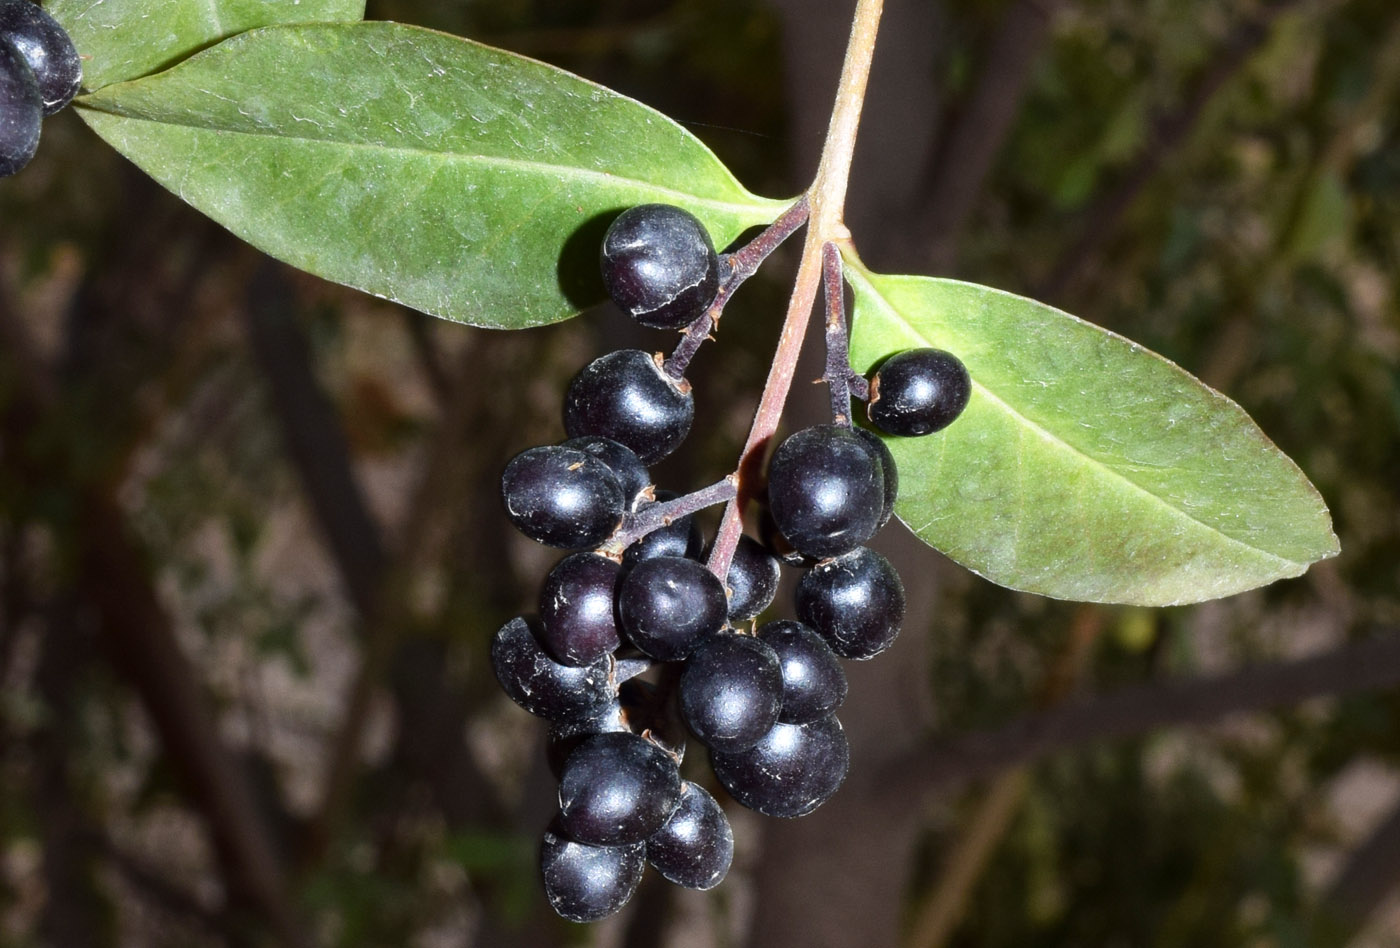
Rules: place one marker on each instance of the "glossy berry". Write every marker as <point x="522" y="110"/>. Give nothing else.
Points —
<point x="731" y="691"/>
<point x="632" y="475"/>
<point x="659" y="266"/>
<point x="47" y="49"/>
<point x="826" y="490"/>
<point x="752" y="579"/>
<point x="918" y="392"/>
<point x="625" y="396"/>
<point x="543" y="686"/>
<point x="793" y="770"/>
<point x="578" y="624"/>
<point x="617" y="789"/>
<point x="696" y="846"/>
<point x="562" y="497"/>
<point x="855" y="602"/>
<point x="890" y="469"/>
<point x="814" y="683"/>
<point x="21" y="111"/>
<point x="586" y="883"/>
<point x="668" y="604"/>
<point x="681" y="537"/>
<point x="564" y="736"/>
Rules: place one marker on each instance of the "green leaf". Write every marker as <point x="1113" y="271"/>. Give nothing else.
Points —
<point x="461" y="180"/>
<point x="1085" y="467"/>
<point x="126" y="39"/>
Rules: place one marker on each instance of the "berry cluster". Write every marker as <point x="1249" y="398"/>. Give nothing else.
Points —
<point x="39" y="74"/>
<point x="637" y="642"/>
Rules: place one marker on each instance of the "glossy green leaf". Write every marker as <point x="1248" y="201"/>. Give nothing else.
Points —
<point x="461" y="180"/>
<point x="126" y="39"/>
<point x="1085" y="467"/>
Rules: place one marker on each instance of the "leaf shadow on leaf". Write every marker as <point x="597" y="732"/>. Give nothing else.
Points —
<point x="580" y="278"/>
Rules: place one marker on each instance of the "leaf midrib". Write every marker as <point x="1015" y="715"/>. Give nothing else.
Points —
<point x="543" y="169"/>
<point x="1056" y="440"/>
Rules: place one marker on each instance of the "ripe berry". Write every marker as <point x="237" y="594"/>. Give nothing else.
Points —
<point x="668" y="604"/>
<point x="46" y="47"/>
<point x="891" y="471"/>
<point x="625" y="396"/>
<point x="659" y="265"/>
<point x="543" y="686"/>
<point x="562" y="497"/>
<point x="918" y="392"/>
<point x="752" y="579"/>
<point x="855" y="602"/>
<point x="586" y="883"/>
<point x="731" y="691"/>
<point x="826" y="490"/>
<point x="632" y="475"/>
<point x="681" y="537"/>
<point x="696" y="846"/>
<point x="576" y="609"/>
<point x="617" y="789"/>
<point x="21" y="111"/>
<point x="814" y="684"/>
<point x="793" y="770"/>
<point x="565" y="736"/>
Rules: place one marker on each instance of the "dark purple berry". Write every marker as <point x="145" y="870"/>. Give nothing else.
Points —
<point x="659" y="266"/>
<point x="918" y="392"/>
<point x="826" y="489"/>
<point x="543" y="686"/>
<point x="668" y="604"/>
<point x="21" y="111"/>
<point x="617" y="789"/>
<point x="579" y="624"/>
<point x="891" y="471"/>
<point x="625" y="396"/>
<point x="562" y="497"/>
<point x="752" y="579"/>
<point x="632" y="475"/>
<point x="681" y="537"/>
<point x="565" y="736"/>
<point x="731" y="691"/>
<point x="814" y="684"/>
<point x="793" y="770"/>
<point x="696" y="846"/>
<point x="46" y="47"/>
<point x="586" y="883"/>
<point x="855" y="602"/>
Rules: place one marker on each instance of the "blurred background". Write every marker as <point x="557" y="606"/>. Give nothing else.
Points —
<point x="251" y="551"/>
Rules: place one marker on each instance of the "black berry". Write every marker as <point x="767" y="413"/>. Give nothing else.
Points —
<point x="814" y="684"/>
<point x="632" y="475"/>
<point x="731" y="691"/>
<point x="576" y="609"/>
<point x="565" y="736"/>
<point x="668" y="604"/>
<point x="918" y="392"/>
<point x="21" y="111"/>
<point x="617" y="789"/>
<point x="890" y="469"/>
<point x="855" y="602"/>
<point x="46" y="47"/>
<point x="680" y="537"/>
<point x="659" y="265"/>
<point x="543" y="686"/>
<point x="826" y="490"/>
<point x="586" y="883"/>
<point x="696" y="846"/>
<point x="793" y="770"/>
<point x="625" y="396"/>
<point x="752" y="579"/>
<point x="562" y="497"/>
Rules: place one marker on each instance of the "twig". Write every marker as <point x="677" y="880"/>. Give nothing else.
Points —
<point x="827" y="198"/>
<point x="654" y="516"/>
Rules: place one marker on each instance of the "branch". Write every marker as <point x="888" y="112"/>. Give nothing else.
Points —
<point x="941" y="762"/>
<point x="1168" y="133"/>
<point x="1369" y="877"/>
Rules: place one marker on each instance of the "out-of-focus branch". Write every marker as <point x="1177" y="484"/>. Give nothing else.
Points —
<point x="981" y="129"/>
<point x="1169" y="131"/>
<point x="940" y="762"/>
<point x="1369" y="877"/>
